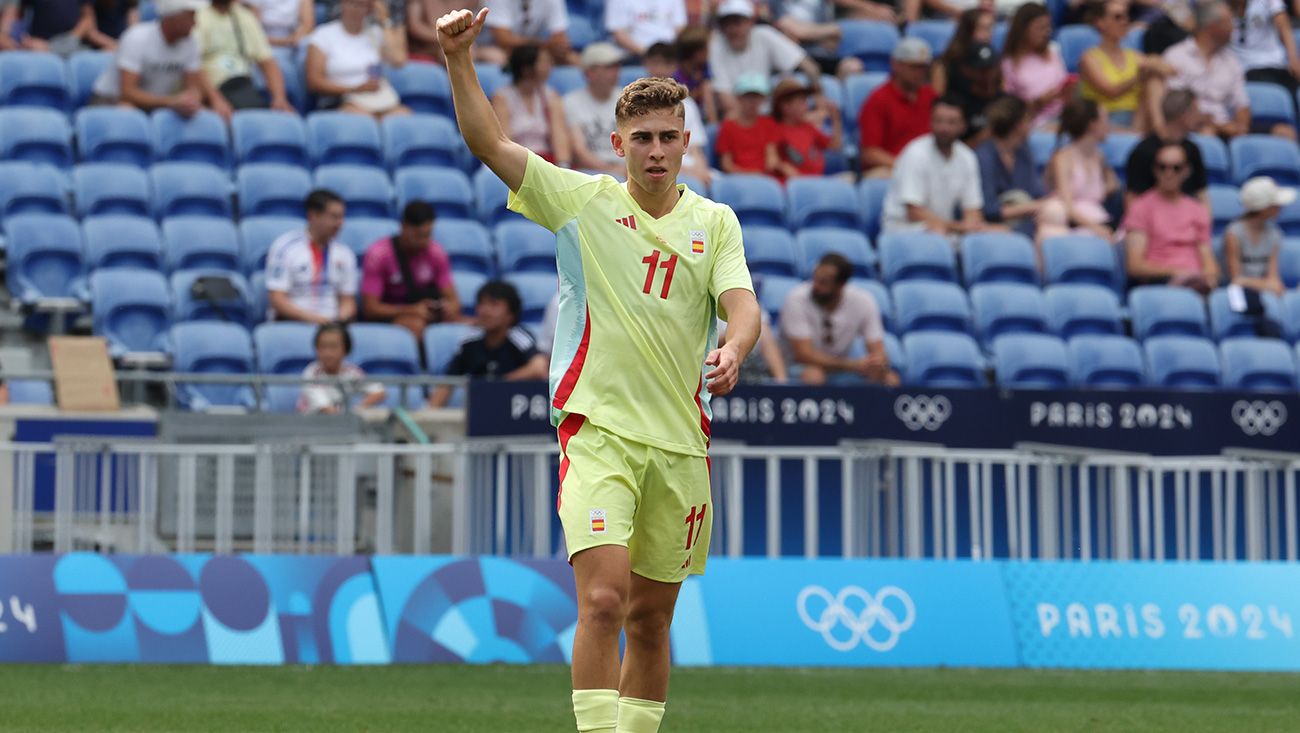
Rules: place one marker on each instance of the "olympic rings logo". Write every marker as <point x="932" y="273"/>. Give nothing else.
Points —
<point x="923" y="411"/>
<point x="1259" y="417"/>
<point x="859" y="612"/>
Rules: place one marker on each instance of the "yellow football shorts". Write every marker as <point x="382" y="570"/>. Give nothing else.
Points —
<point x="615" y="491"/>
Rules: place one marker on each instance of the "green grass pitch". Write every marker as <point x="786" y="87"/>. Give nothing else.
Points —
<point x="535" y="699"/>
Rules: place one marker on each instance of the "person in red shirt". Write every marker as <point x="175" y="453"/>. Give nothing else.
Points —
<point x="747" y="139"/>
<point x="800" y="144"/>
<point x="899" y="111"/>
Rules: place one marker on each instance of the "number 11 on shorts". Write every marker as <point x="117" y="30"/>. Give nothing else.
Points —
<point x="694" y="524"/>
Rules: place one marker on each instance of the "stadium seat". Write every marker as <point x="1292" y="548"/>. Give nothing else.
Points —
<point x="259" y="299"/>
<point x="33" y="79"/>
<point x="1159" y="310"/>
<point x="1264" y="155"/>
<point x="565" y="79"/>
<point x="284" y="348"/>
<point x="423" y="140"/>
<point x="857" y="89"/>
<point x="121" y="240"/>
<point x="271" y="189"/>
<point x="916" y="256"/>
<point x="1270" y="105"/>
<point x="1074" y="40"/>
<point x="1226" y="323"/>
<point x="871" y="41"/>
<point x="1225" y="207"/>
<point x="30" y="392"/>
<point x="187" y="307"/>
<point x="263" y="136"/>
<point x="447" y="189"/>
<point x="630" y="73"/>
<point x="1007" y="308"/>
<point x="1214" y="153"/>
<point x="343" y="138"/>
<point x="523" y="246"/>
<point x="1042" y="146"/>
<point x="367" y="191"/>
<point x="1100" y="361"/>
<point x="931" y="306"/>
<point x="871" y="200"/>
<point x="423" y="87"/>
<point x="1117" y="148"/>
<point x="772" y="251"/>
<point x="756" y="199"/>
<point x="772" y="292"/>
<point x="936" y="33"/>
<point x="998" y="258"/>
<point x="26" y="188"/>
<point x="132" y="311"/>
<point x="536" y="289"/>
<point x="258" y="233"/>
<point x="468" y="245"/>
<point x="467" y="285"/>
<point x="114" y="135"/>
<point x="693" y="183"/>
<point x="1181" y="362"/>
<point x="816" y="242"/>
<point x="202" y="138"/>
<point x="1258" y="365"/>
<point x="207" y="347"/>
<point x="492" y="77"/>
<point x="442" y="341"/>
<point x="197" y="189"/>
<point x="1288" y="219"/>
<point x="111" y="188"/>
<point x="360" y="232"/>
<point x="884" y="301"/>
<point x="36" y="135"/>
<point x="43" y="258"/>
<point x="1030" y="361"/>
<point x="383" y="349"/>
<point x="1076" y="310"/>
<point x="822" y="202"/>
<point x="1288" y="263"/>
<point x="939" y="360"/>
<point x="1080" y="260"/>
<point x="491" y="194"/>
<point x="201" y="243"/>
<point x="581" y="32"/>
<point x="85" y="68"/>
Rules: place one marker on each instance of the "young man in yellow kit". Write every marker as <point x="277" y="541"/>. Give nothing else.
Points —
<point x="644" y="270"/>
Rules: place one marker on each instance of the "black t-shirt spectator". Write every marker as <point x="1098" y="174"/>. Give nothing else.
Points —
<point x="1142" y="162"/>
<point x="111" y="16"/>
<point x="476" y="359"/>
<point x="51" y="18"/>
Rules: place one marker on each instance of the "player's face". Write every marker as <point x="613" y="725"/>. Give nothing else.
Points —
<point x="325" y="225"/>
<point x="329" y="351"/>
<point x="653" y="145"/>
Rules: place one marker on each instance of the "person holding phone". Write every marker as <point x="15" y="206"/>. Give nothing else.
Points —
<point x="1032" y="68"/>
<point x="406" y="279"/>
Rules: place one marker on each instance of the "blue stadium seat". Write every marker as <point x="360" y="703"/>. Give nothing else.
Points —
<point x="630" y="73"/>
<point x="871" y="199"/>
<point x="1099" y="361"/>
<point x="132" y="310"/>
<point x="894" y="352"/>
<point x="422" y="140"/>
<point x="1083" y="260"/>
<point x="1159" y="310"/>
<point x="772" y="291"/>
<point x="815" y="242"/>
<point x="186" y="307"/>
<point x="871" y="41"/>
<point x="1117" y="148"/>
<point x="916" y="256"/>
<point x="523" y="246"/>
<point x="271" y="189"/>
<point x="201" y="243"/>
<point x="822" y="202"/>
<point x="202" y="138"/>
<point x="492" y="77"/>
<point x="30" y="392"/>
<point x="565" y="79"/>
<point x="884" y="301"/>
<point x="114" y="135"/>
<point x="208" y="347"/>
<point x="756" y="199"/>
<point x="33" y="79"/>
<point x="1042" y="146"/>
<point x="367" y="191"/>
<point x="43" y="259"/>
<point x="1076" y="310"/>
<point x="467" y="284"/>
<point x="26" y="188"/>
<point x="1288" y="262"/>
<point x="1030" y="361"/>
<point x="1225" y="323"/>
<point x="468" y="245"/>
<point x="1225" y="207"/>
<point x="582" y="32"/>
<point x="1270" y="104"/>
<point x="536" y="289"/>
<point x="942" y="360"/>
<point x="491" y="196"/>
<point x="423" y="87"/>
<point x="1290" y="307"/>
<point x="1258" y="365"/>
<point x="1181" y="362"/>
<point x="258" y="233"/>
<point x="263" y="136"/>
<point x="121" y="240"/>
<point x="447" y="189"/>
<point x="111" y="188"/>
<point x="693" y="183"/>
<point x="342" y="138"/>
<point x="258" y="296"/>
<point x="198" y="189"/>
<point x="772" y="251"/>
<point x="1074" y="41"/>
<point x="383" y="349"/>
<point x="442" y="341"/>
<point x="857" y="89"/>
<point x="1265" y="155"/>
<point x="85" y="68"/>
<point x="1007" y="308"/>
<point x="284" y="348"/>
<point x="922" y="305"/>
<point x="1214" y="153"/>
<point x="998" y="258"/>
<point x="360" y="232"/>
<point x="1288" y="219"/>
<point x="936" y="33"/>
<point x="36" y="135"/>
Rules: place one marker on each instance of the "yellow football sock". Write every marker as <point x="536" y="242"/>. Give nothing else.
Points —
<point x="596" y="710"/>
<point x="639" y="716"/>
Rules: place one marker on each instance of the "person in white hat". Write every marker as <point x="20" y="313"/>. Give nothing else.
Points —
<point x="739" y="47"/>
<point x="590" y="110"/>
<point x="1252" y="243"/>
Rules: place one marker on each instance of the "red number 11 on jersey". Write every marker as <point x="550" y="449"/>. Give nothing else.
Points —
<point x="653" y="264"/>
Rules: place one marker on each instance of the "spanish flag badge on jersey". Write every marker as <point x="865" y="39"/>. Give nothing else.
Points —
<point x="598" y="521"/>
<point x="697" y="241"/>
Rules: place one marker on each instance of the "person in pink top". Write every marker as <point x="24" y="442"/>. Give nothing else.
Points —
<point x="1169" y="232"/>
<point x="1032" y="68"/>
<point x="1079" y="177"/>
<point x="406" y="279"/>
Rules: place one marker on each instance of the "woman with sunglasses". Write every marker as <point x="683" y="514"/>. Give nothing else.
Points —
<point x="1120" y="79"/>
<point x="1168" y="232"/>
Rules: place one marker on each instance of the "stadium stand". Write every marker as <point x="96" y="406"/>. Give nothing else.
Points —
<point x="1257" y="365"/>
<point x="119" y="240"/>
<point x="916" y="256"/>
<point x="132" y="311"/>
<point x="1182" y="362"/>
<point x="815" y="242"/>
<point x="942" y="360"/>
<point x="1030" y="361"/>
<point x="284" y="348"/>
<point x="1099" y="361"/>
<point x="111" y="188"/>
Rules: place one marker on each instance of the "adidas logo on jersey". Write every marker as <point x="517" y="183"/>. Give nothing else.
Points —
<point x="628" y="221"/>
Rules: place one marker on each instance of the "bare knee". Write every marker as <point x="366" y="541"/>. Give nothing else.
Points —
<point x="812" y="375"/>
<point x="604" y="609"/>
<point x="648" y="626"/>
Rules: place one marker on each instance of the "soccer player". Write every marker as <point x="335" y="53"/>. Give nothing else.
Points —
<point x="644" y="267"/>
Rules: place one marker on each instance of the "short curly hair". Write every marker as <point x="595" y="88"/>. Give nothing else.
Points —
<point x="648" y="95"/>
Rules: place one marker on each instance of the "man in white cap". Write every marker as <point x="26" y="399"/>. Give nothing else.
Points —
<point x="636" y="25"/>
<point x="1251" y="244"/>
<point x="738" y="46"/>
<point x="159" y="65"/>
<point x="590" y="111"/>
<point x="898" y="112"/>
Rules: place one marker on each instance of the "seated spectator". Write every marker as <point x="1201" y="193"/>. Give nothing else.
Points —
<point x="661" y="60"/>
<point x="333" y="344"/>
<point x="800" y="146"/>
<point x="1252" y="243"/>
<point x="740" y="47"/>
<point x="636" y="25"/>
<point x="1013" y="193"/>
<point x="1264" y="44"/>
<point x="1168" y="238"/>
<point x="505" y="350"/>
<point x="232" y="41"/>
<point x="693" y="69"/>
<point x="765" y="362"/>
<point x="1118" y="78"/>
<point x="158" y="65"/>
<point x="590" y="111"/>
<point x="898" y="111"/>
<point x="112" y="18"/>
<point x="974" y="27"/>
<point x="822" y="318"/>
<point x="310" y="275"/>
<point x="545" y="23"/>
<point x="285" y="22"/>
<point x="531" y="113"/>
<point x="935" y="178"/>
<point x="1206" y="66"/>
<point x="977" y="82"/>
<point x="747" y="139"/>
<point x="1169" y="26"/>
<point x="1181" y="116"/>
<point x="57" y="26"/>
<point x="345" y="60"/>
<point x="422" y="32"/>
<point x="406" y="279"/>
<point x="1032" y="68"/>
<point x="1079" y="177"/>
<point x="810" y="23"/>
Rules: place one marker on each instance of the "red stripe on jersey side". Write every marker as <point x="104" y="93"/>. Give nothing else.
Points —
<point x="570" y="379"/>
<point x="569" y="428"/>
<point x="704" y="419"/>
